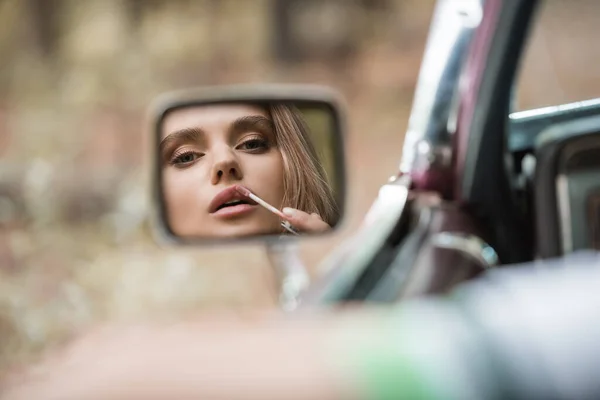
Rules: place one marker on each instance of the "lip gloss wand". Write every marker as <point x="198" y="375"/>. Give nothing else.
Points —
<point x="285" y="224"/>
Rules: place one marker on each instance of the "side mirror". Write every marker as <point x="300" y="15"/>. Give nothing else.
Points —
<point x="235" y="163"/>
<point x="253" y="162"/>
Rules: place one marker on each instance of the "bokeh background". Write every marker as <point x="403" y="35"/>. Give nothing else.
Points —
<point x="76" y="78"/>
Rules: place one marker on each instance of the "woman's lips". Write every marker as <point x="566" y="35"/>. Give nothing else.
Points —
<point x="234" y="211"/>
<point x="217" y="205"/>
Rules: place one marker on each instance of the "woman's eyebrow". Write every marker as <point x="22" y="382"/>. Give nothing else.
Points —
<point x="251" y="123"/>
<point x="185" y="135"/>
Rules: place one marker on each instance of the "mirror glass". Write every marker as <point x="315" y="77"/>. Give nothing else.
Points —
<point x="239" y="168"/>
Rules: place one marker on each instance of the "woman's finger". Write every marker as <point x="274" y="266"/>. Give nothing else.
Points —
<point x="305" y="222"/>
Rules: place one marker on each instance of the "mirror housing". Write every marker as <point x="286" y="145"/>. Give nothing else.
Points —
<point x="322" y="156"/>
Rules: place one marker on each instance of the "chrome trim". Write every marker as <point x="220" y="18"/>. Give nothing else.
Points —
<point x="525" y="126"/>
<point x="430" y="126"/>
<point x="564" y="213"/>
<point x="540" y="112"/>
<point x="469" y="245"/>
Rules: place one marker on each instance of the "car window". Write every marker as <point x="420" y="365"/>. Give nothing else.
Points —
<point x="562" y="55"/>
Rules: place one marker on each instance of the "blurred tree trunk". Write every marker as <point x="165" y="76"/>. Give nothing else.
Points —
<point x="315" y="30"/>
<point x="44" y="15"/>
<point x="136" y="8"/>
<point x="307" y="30"/>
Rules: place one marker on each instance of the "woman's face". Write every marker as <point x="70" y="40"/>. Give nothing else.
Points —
<point x="205" y="150"/>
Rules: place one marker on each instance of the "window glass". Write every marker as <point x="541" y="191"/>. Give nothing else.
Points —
<point x="561" y="58"/>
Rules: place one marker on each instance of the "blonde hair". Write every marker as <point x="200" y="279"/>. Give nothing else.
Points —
<point x="305" y="183"/>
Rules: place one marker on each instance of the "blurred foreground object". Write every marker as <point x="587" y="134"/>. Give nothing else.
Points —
<point x="528" y="332"/>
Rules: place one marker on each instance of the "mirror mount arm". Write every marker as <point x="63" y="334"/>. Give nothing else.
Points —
<point x="291" y="274"/>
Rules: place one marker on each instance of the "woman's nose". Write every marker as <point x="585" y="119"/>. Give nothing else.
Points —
<point x="226" y="168"/>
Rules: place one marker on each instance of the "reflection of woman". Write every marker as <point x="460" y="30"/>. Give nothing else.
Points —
<point x="206" y="150"/>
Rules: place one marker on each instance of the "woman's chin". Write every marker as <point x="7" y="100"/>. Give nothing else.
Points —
<point x="247" y="231"/>
<point x="232" y="231"/>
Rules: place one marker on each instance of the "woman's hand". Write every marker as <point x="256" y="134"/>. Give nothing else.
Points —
<point x="304" y="222"/>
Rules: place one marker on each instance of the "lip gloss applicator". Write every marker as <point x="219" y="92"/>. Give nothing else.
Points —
<point x="285" y="224"/>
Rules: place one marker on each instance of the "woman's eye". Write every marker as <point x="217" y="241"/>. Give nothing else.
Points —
<point x="185" y="159"/>
<point x="254" y="145"/>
